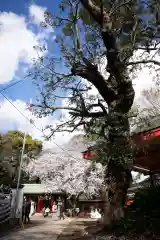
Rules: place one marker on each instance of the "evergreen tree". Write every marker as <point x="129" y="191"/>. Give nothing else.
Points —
<point x="10" y="153"/>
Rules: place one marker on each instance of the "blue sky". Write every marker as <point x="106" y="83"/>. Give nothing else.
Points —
<point x="20" y="31"/>
<point x="24" y="90"/>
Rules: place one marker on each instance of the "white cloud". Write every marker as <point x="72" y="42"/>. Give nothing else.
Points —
<point x="10" y="118"/>
<point x="37" y="13"/>
<point x="143" y="77"/>
<point x="16" y="44"/>
<point x="17" y="40"/>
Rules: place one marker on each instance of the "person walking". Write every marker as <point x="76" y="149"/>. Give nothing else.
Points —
<point x="27" y="209"/>
<point x="61" y="209"/>
<point x="46" y="206"/>
<point x="62" y="212"/>
<point x="55" y="212"/>
<point x="32" y="209"/>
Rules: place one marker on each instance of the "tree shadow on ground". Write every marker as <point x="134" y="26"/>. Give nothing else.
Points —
<point x="13" y="229"/>
<point x="82" y="230"/>
<point x="36" y="235"/>
<point x="97" y="231"/>
<point x="36" y="231"/>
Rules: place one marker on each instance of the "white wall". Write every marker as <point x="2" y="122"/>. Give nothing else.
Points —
<point x="19" y="201"/>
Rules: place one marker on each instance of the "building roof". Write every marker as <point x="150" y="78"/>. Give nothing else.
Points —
<point x="14" y="186"/>
<point x="37" y="189"/>
<point x="147" y="125"/>
<point x="144" y="183"/>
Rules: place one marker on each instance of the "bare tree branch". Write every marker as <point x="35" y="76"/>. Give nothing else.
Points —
<point x="144" y="62"/>
<point x="147" y="48"/>
<point x="102" y="107"/>
<point x="88" y="114"/>
<point x="54" y="108"/>
<point x="73" y="111"/>
<point x="119" y="6"/>
<point x="82" y="101"/>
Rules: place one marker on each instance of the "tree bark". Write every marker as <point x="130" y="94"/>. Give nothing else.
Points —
<point x="118" y="170"/>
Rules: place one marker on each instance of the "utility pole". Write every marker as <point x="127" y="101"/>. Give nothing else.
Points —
<point x="21" y="162"/>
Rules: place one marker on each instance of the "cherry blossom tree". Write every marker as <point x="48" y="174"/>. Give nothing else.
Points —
<point x="60" y="171"/>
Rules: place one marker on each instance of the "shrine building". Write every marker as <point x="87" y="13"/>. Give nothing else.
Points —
<point x="146" y="145"/>
<point x="37" y="193"/>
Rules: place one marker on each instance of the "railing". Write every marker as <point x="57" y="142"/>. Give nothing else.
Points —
<point x="5" y="208"/>
<point x="9" y="216"/>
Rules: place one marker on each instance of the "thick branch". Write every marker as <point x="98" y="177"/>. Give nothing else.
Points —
<point x="79" y="94"/>
<point x="144" y="62"/>
<point x="102" y="107"/>
<point x="120" y="5"/>
<point x="63" y="127"/>
<point x="147" y="48"/>
<point x="115" y="66"/>
<point x="73" y="111"/>
<point x="125" y="92"/>
<point x="88" y="114"/>
<point x="93" y="10"/>
<point x="92" y="74"/>
<point x="54" y="108"/>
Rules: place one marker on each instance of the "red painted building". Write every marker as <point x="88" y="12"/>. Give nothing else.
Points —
<point x="147" y="149"/>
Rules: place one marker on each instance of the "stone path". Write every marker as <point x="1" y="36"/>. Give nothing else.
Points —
<point x="79" y="229"/>
<point x="40" y="229"/>
<point x="68" y="229"/>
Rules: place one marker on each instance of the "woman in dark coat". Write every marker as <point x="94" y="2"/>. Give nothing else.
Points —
<point x="26" y="210"/>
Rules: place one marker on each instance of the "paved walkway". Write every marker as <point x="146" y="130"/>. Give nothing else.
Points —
<point x="40" y="229"/>
<point x="79" y="229"/>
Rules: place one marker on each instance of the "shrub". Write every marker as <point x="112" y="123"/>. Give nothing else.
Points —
<point x="143" y="216"/>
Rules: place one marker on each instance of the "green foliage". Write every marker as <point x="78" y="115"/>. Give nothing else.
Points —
<point x="123" y="17"/>
<point x="143" y="216"/>
<point x="146" y="202"/>
<point x="67" y="29"/>
<point x="85" y="17"/>
<point x="95" y="132"/>
<point x="17" y="141"/>
<point x="10" y="151"/>
<point x="146" y="208"/>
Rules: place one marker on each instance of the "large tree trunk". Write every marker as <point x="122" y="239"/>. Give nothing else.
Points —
<point x="118" y="171"/>
<point x="117" y="91"/>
